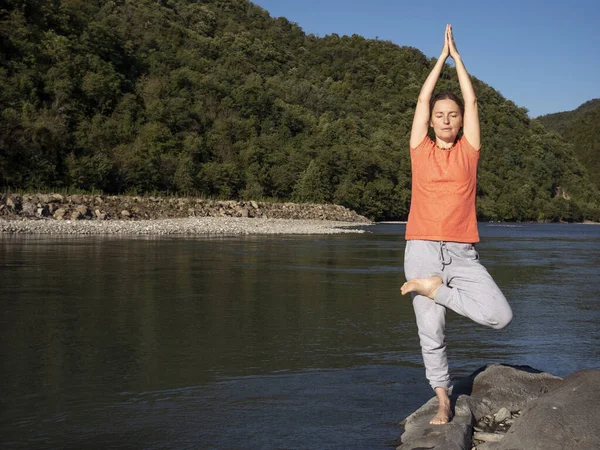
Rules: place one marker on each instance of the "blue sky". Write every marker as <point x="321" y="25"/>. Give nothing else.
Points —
<point x="542" y="55"/>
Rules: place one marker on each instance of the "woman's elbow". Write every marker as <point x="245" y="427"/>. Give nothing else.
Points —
<point x="470" y="101"/>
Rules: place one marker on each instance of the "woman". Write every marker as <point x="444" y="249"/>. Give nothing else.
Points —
<point x="440" y="263"/>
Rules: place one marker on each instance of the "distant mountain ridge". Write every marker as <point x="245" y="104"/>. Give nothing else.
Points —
<point x="215" y="98"/>
<point x="580" y="127"/>
<point x="559" y="120"/>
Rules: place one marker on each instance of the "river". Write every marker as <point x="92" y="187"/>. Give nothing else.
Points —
<point x="295" y="342"/>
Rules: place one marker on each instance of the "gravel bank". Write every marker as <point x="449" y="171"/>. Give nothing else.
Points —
<point x="185" y="226"/>
<point x="123" y="207"/>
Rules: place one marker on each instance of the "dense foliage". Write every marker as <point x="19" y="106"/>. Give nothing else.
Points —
<point x="216" y="98"/>
<point x="581" y="128"/>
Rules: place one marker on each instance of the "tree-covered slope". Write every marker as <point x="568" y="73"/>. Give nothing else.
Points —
<point x="580" y="127"/>
<point x="216" y="98"/>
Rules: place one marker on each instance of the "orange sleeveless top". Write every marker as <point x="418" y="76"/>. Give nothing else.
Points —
<point x="443" y="193"/>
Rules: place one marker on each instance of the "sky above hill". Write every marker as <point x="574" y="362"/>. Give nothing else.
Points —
<point x="542" y="55"/>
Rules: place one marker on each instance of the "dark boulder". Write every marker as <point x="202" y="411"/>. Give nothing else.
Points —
<point x="565" y="418"/>
<point x="512" y="408"/>
<point x="499" y="386"/>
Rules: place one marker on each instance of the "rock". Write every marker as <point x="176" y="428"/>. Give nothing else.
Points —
<point x="477" y="396"/>
<point x="487" y="446"/>
<point x="488" y="437"/>
<point x="83" y="210"/>
<point x="43" y="211"/>
<point x="555" y="414"/>
<point x="419" y="434"/>
<point x="565" y="418"/>
<point x="14" y="202"/>
<point x="502" y="415"/>
<point x="59" y="214"/>
<point x="29" y="209"/>
<point x="496" y="386"/>
<point x="76" y="215"/>
<point x="162" y="208"/>
<point x="125" y="214"/>
<point x="44" y="198"/>
<point x="486" y="424"/>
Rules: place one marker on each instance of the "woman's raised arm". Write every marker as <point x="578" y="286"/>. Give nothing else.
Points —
<point x="471" y="117"/>
<point x="421" y="119"/>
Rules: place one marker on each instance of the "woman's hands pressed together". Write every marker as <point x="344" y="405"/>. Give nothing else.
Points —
<point x="449" y="41"/>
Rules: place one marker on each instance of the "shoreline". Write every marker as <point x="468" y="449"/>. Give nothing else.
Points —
<point x="189" y="226"/>
<point x="219" y="226"/>
<point x="56" y="214"/>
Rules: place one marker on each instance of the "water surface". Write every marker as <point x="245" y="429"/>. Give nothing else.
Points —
<point x="261" y="342"/>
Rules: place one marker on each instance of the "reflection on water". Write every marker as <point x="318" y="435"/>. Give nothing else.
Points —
<point x="261" y="342"/>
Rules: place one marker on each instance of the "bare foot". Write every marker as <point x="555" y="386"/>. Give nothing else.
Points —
<point x="444" y="413"/>
<point x="424" y="286"/>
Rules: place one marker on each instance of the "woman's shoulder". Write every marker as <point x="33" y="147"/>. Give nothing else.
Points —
<point x="463" y="143"/>
<point x="425" y="143"/>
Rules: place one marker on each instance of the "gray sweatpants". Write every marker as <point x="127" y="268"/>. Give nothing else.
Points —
<point x="468" y="289"/>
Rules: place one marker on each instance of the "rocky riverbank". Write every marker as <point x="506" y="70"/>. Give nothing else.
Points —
<point x="189" y="226"/>
<point x="99" y="214"/>
<point x="504" y="407"/>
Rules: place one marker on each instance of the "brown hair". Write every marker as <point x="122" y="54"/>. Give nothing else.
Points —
<point x="446" y="95"/>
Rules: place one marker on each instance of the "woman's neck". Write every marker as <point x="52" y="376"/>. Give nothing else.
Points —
<point x="443" y="145"/>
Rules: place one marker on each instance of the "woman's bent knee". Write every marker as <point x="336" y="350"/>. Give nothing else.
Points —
<point x="503" y="320"/>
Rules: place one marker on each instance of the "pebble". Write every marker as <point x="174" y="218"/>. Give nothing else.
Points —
<point x="502" y="415"/>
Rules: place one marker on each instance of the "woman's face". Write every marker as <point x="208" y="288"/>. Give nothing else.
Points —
<point x="446" y="120"/>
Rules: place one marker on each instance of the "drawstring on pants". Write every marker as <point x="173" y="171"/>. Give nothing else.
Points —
<point x="445" y="257"/>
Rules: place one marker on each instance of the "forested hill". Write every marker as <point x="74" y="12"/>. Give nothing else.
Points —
<point x="216" y="98"/>
<point x="580" y="127"/>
